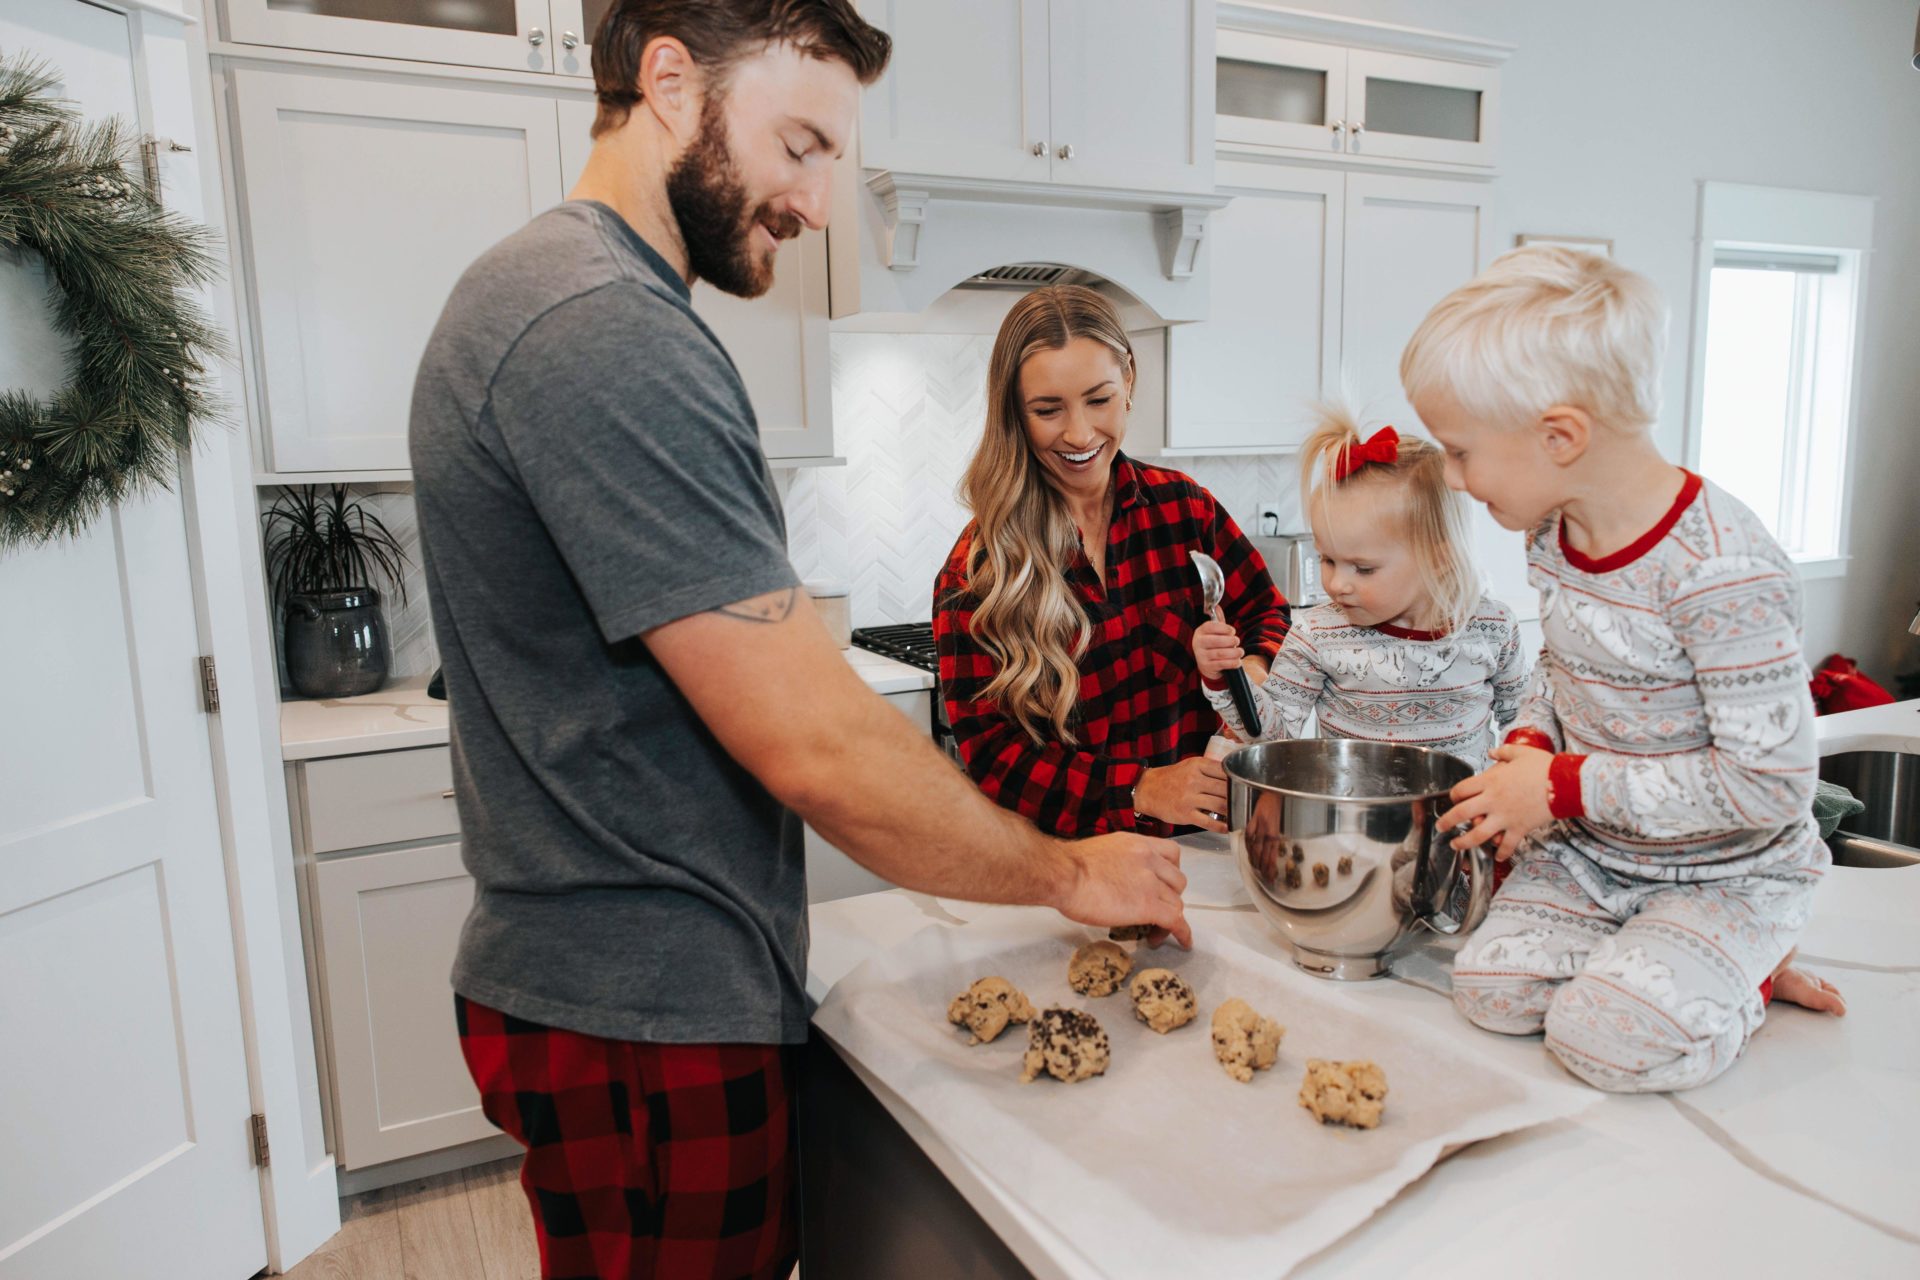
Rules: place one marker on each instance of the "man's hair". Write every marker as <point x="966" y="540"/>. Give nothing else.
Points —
<point x="720" y="33"/>
<point x="1544" y="325"/>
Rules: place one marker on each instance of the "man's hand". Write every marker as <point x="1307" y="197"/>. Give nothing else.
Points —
<point x="1190" y="793"/>
<point x="1505" y="803"/>
<point x="1127" y="878"/>
<point x="1216" y="647"/>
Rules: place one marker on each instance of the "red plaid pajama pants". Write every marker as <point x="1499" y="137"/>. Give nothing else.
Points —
<point x="643" y="1160"/>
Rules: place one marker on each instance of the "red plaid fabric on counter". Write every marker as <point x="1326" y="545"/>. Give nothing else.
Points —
<point x="643" y="1160"/>
<point x="1140" y="700"/>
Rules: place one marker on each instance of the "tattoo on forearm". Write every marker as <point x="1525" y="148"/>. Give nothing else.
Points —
<point x="776" y="607"/>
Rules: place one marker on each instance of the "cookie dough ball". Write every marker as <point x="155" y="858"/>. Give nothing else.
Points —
<point x="1161" y="999"/>
<point x="1243" y="1041"/>
<point x="1066" y="1044"/>
<point x="1130" y="932"/>
<point x="1351" y="1093"/>
<point x="1345" y="865"/>
<point x="1097" y="969"/>
<point x="986" y="1007"/>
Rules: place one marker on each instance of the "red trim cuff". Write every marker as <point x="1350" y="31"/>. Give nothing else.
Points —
<point x="1528" y="737"/>
<point x="1563" y="786"/>
<point x="1766" y="990"/>
<point x="1214" y="682"/>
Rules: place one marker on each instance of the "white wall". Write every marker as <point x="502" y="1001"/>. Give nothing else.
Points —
<point x="1613" y="112"/>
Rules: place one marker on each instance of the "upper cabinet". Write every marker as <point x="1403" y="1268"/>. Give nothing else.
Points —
<point x="518" y="35"/>
<point x="363" y="202"/>
<point x="1310" y="85"/>
<point x="1091" y="93"/>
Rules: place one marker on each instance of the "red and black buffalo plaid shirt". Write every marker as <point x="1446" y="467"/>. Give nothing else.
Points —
<point x="1140" y="699"/>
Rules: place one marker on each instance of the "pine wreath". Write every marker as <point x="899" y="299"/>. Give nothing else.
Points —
<point x="120" y="269"/>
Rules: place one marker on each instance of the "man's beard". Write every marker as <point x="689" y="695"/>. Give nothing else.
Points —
<point x="710" y="204"/>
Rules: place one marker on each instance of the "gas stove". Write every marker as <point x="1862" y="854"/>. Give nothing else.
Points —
<point x="908" y="642"/>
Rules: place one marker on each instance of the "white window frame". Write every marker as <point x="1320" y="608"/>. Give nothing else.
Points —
<point x="1735" y="215"/>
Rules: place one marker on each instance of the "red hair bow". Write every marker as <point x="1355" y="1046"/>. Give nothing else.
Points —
<point x="1384" y="446"/>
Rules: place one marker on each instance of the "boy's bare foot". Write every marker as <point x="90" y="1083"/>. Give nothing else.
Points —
<point x="1797" y="986"/>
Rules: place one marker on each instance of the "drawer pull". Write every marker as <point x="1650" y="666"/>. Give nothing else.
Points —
<point x="446" y="795"/>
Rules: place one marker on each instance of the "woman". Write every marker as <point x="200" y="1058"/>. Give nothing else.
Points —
<point x="1065" y="614"/>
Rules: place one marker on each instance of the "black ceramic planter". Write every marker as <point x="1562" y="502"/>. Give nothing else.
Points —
<point x="336" y="642"/>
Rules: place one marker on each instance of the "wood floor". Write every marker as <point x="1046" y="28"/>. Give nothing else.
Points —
<point x="468" y="1225"/>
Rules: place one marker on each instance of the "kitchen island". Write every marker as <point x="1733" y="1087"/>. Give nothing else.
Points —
<point x="1797" y="1162"/>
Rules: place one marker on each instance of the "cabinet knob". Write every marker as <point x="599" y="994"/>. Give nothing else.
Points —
<point x="536" y="36"/>
<point x="569" y="40"/>
<point x="1066" y="151"/>
<point x="1039" y="148"/>
<point x="1359" y="127"/>
<point x="1339" y="128"/>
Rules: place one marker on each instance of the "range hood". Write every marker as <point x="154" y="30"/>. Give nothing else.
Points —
<point x="899" y="243"/>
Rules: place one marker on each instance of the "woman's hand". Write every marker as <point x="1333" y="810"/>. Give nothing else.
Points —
<point x="1192" y="793"/>
<point x="1216" y="647"/>
<point x="1505" y="803"/>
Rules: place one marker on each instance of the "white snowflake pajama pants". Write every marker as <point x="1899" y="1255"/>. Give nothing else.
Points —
<point x="1641" y="986"/>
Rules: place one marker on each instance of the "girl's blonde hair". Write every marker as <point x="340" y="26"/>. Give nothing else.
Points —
<point x="1433" y="519"/>
<point x="1541" y="326"/>
<point x="1027" y="617"/>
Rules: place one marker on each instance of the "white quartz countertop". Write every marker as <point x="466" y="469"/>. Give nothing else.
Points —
<point x="1895" y="727"/>
<point x="1797" y="1162"/>
<point x="402" y="715"/>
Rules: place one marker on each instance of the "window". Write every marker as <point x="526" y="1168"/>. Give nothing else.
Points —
<point x="1774" y="358"/>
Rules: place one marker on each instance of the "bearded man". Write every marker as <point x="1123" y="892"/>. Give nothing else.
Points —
<point x="639" y="690"/>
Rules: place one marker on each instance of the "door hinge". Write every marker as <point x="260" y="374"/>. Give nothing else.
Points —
<point x="209" y="686"/>
<point x="260" y="1155"/>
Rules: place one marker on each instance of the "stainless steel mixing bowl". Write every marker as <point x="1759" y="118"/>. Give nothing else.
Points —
<point x="1339" y="844"/>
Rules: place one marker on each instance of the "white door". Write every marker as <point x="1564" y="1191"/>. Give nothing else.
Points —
<point x="479" y="33"/>
<point x="965" y="94"/>
<point x="1131" y="88"/>
<point x="365" y="200"/>
<point x="125" y="1129"/>
<point x="1410" y="242"/>
<point x="574" y="25"/>
<point x="1244" y="379"/>
<point x="778" y="341"/>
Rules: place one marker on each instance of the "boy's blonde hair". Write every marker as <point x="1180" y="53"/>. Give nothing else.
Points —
<point x="1543" y="326"/>
<point x="1433" y="519"/>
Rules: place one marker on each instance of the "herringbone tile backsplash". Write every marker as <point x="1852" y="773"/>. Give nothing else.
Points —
<point x="908" y="410"/>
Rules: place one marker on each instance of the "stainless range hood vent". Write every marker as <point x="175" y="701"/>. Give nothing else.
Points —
<point x="1025" y="275"/>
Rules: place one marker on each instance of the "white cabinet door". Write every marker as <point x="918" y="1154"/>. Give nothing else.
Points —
<point x="1274" y="92"/>
<point x="574" y="25"/>
<point x="1406" y="108"/>
<point x="778" y="341"/>
<point x="965" y="94"/>
<point x="364" y="202"/>
<point x="1131" y="93"/>
<point x="476" y="33"/>
<point x="1410" y="242"/>
<point x="389" y="924"/>
<point x="1244" y="378"/>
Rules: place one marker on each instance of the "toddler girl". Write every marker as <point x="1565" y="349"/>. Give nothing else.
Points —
<point x="1408" y="649"/>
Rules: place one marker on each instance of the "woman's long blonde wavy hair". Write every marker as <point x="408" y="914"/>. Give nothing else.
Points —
<point x="1433" y="519"/>
<point x="1027" y="617"/>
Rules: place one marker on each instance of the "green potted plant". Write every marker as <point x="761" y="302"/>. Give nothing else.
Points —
<point x="323" y="553"/>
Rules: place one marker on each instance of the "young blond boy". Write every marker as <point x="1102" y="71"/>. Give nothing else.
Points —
<point x="1659" y="778"/>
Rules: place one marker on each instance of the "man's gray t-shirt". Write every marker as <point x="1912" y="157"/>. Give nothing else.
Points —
<point x="587" y="467"/>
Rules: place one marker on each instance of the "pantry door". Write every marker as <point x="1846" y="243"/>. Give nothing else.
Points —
<point x="125" y="1129"/>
